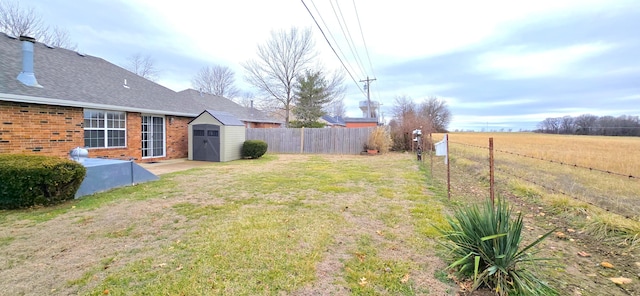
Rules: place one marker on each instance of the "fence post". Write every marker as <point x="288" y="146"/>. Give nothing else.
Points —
<point x="302" y="140"/>
<point x="491" y="169"/>
<point x="431" y="153"/>
<point x="448" y="168"/>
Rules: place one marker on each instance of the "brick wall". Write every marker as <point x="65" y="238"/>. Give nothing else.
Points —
<point x="360" y="124"/>
<point x="177" y="136"/>
<point x="39" y="129"/>
<point x="261" y="125"/>
<point x="55" y="130"/>
<point x="133" y="149"/>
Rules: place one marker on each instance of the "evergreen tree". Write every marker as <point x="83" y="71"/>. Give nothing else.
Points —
<point x="311" y="93"/>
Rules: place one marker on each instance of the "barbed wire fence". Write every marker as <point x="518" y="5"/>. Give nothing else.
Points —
<point x="479" y="171"/>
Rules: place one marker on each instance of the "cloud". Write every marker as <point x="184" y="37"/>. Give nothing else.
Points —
<point x="517" y="62"/>
<point x="493" y="61"/>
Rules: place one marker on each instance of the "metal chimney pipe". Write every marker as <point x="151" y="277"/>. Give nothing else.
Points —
<point x="27" y="76"/>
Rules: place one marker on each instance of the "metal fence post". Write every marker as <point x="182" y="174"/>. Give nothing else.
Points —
<point x="448" y="168"/>
<point x="491" y="169"/>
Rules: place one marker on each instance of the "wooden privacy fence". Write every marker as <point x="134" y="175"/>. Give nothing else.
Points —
<point x="312" y="140"/>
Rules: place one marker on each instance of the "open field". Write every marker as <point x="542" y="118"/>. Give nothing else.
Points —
<point x="594" y="212"/>
<point x="569" y="174"/>
<point x="617" y="154"/>
<point x="285" y="225"/>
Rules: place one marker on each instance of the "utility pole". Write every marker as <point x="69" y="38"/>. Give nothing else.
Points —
<point x="367" y="84"/>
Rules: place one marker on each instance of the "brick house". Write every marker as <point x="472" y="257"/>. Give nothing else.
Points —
<point x="355" y="122"/>
<point x="332" y="121"/>
<point x="53" y="100"/>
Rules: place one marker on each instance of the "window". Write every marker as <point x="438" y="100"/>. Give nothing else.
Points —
<point x="103" y="129"/>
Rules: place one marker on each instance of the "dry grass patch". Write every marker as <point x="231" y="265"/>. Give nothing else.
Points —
<point x="285" y="224"/>
<point x="607" y="153"/>
<point x="609" y="191"/>
<point x="596" y="213"/>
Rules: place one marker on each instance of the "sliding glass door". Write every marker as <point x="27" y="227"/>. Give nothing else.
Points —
<point x="153" y="131"/>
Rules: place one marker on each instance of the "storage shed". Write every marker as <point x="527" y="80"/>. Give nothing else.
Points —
<point x="216" y="136"/>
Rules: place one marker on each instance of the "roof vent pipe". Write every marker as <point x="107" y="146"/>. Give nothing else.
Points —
<point x="27" y="77"/>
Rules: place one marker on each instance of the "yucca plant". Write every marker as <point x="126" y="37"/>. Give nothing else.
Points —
<point x="485" y="244"/>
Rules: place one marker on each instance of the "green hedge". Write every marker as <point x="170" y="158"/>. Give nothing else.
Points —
<point x="254" y="148"/>
<point x="29" y="180"/>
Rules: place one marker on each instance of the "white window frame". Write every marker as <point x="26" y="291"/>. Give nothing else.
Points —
<point x="150" y="132"/>
<point x="122" y="126"/>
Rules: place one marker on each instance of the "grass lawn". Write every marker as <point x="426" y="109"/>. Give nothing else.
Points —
<point x="283" y="224"/>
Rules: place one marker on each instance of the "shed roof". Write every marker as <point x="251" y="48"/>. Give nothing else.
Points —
<point x="201" y="101"/>
<point x="226" y="118"/>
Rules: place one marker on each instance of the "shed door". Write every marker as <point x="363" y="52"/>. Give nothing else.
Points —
<point x="206" y="142"/>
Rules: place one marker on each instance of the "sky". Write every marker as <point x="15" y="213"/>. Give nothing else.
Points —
<point x="499" y="65"/>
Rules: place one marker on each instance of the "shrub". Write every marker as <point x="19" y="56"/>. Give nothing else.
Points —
<point x="29" y="180"/>
<point x="379" y="139"/>
<point x="484" y="243"/>
<point x="254" y="148"/>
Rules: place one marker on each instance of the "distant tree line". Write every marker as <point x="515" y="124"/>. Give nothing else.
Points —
<point x="588" y="124"/>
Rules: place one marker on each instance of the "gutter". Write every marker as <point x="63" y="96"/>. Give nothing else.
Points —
<point x="68" y="103"/>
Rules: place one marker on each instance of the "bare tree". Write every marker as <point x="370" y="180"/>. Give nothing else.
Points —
<point x="20" y="21"/>
<point x="58" y="37"/>
<point x="406" y="118"/>
<point x="142" y="65"/>
<point x="16" y="20"/>
<point x="550" y="125"/>
<point x="335" y="84"/>
<point x="567" y="125"/>
<point x="585" y="124"/>
<point x="280" y="61"/>
<point x="246" y="99"/>
<point x="216" y="80"/>
<point x="403" y="108"/>
<point x="436" y="112"/>
<point x="336" y="108"/>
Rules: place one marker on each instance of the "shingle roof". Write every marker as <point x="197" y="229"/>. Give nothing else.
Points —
<point x="66" y="75"/>
<point x="224" y="117"/>
<point x="71" y="79"/>
<point x="208" y="101"/>
<point x="334" y="120"/>
<point x="360" y="119"/>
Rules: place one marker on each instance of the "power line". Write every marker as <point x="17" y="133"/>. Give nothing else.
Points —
<point x="366" y="49"/>
<point x="331" y="46"/>
<point x="347" y="35"/>
<point x="330" y="34"/>
<point x="363" y="42"/>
